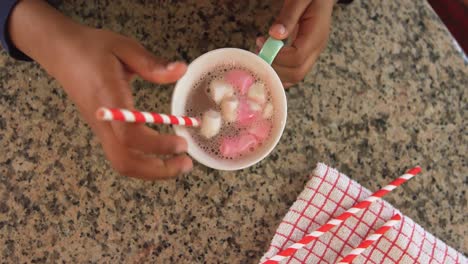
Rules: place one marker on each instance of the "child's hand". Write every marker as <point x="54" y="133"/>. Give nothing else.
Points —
<point x="307" y="24"/>
<point x="95" y="68"/>
<point x="98" y="74"/>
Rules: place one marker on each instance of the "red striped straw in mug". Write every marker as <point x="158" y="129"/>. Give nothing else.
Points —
<point x="288" y="252"/>
<point x="371" y="239"/>
<point x="111" y="114"/>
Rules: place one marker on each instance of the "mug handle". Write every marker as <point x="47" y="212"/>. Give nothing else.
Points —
<point x="270" y="49"/>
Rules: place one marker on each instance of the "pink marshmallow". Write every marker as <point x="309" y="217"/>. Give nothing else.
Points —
<point x="240" y="79"/>
<point x="260" y="130"/>
<point x="245" y="114"/>
<point x="233" y="147"/>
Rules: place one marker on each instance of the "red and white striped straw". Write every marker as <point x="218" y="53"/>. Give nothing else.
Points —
<point x="371" y="239"/>
<point x="108" y="114"/>
<point x="288" y="252"/>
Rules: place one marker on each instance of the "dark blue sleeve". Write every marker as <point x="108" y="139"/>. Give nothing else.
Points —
<point x="6" y="6"/>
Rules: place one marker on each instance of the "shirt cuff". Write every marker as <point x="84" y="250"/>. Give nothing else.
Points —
<point x="6" y="6"/>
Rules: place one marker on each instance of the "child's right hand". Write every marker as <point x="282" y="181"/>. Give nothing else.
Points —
<point x="95" y="68"/>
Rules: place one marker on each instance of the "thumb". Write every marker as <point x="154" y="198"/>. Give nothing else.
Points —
<point x="288" y="18"/>
<point x="146" y="65"/>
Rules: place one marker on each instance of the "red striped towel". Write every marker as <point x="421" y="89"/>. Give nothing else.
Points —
<point x="328" y="194"/>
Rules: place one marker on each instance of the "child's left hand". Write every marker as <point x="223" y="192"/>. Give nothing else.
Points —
<point x="307" y="24"/>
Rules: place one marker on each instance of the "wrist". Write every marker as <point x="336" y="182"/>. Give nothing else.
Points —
<point x="42" y="32"/>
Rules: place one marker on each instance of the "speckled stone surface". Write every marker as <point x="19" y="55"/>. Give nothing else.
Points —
<point x="389" y="92"/>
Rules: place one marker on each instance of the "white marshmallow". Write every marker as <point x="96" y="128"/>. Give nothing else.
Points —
<point x="254" y="106"/>
<point x="268" y="111"/>
<point x="229" y="107"/>
<point x="257" y="93"/>
<point x="211" y="124"/>
<point x="219" y="90"/>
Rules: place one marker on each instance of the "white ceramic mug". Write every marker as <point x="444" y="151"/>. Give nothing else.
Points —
<point x="258" y="64"/>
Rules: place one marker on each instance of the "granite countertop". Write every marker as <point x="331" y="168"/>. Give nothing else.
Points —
<point x="389" y="92"/>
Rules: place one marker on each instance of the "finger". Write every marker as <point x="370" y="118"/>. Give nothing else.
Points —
<point x="295" y="75"/>
<point x="142" y="138"/>
<point x="260" y="41"/>
<point x="292" y="74"/>
<point x="288" y="18"/>
<point x="312" y="35"/>
<point x="292" y="36"/>
<point x="132" y="164"/>
<point x="150" y="168"/>
<point x="145" y="64"/>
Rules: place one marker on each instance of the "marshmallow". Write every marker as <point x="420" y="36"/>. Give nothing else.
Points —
<point x="257" y="93"/>
<point x="254" y="106"/>
<point x="233" y="147"/>
<point x="260" y="130"/>
<point x="248" y="112"/>
<point x="268" y="111"/>
<point x="240" y="79"/>
<point x="211" y="124"/>
<point x="229" y="107"/>
<point x="219" y="90"/>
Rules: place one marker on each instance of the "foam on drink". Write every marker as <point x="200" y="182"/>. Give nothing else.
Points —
<point x="237" y="133"/>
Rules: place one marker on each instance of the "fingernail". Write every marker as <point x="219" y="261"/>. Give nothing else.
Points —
<point x="171" y="66"/>
<point x="279" y="28"/>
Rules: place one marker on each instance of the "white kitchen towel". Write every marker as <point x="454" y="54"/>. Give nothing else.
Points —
<point x="328" y="194"/>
